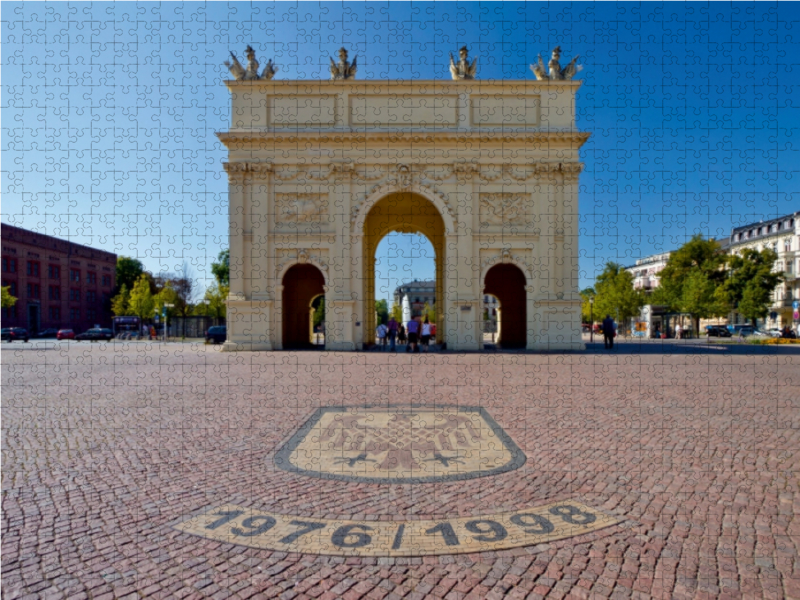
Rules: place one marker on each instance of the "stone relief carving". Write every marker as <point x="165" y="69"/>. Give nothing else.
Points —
<point x="343" y="69"/>
<point x="301" y="207"/>
<point x="504" y="208"/>
<point x="556" y="72"/>
<point x="250" y="73"/>
<point x="462" y="69"/>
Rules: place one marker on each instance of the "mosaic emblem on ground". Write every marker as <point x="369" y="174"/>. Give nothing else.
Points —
<point x="400" y="445"/>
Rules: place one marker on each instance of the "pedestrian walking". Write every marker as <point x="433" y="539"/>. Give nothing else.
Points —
<point x="412" y="327"/>
<point x="392" y="334"/>
<point x="678" y="331"/>
<point x="382" y="330"/>
<point x="426" y="334"/>
<point x="608" y="332"/>
<point x="401" y="334"/>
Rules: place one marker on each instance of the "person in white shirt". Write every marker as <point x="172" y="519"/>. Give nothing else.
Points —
<point x="381" y="331"/>
<point x="678" y="332"/>
<point x="426" y="334"/>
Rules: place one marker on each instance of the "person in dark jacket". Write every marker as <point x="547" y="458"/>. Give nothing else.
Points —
<point x="608" y="332"/>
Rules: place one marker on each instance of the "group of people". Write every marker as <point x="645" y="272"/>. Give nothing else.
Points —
<point x="416" y="335"/>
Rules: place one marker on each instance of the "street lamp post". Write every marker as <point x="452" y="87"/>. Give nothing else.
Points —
<point x="591" y="319"/>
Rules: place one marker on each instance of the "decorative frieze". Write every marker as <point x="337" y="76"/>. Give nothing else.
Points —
<point x="504" y="208"/>
<point x="300" y="207"/>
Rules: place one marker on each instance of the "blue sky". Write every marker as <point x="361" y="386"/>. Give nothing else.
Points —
<point x="109" y="111"/>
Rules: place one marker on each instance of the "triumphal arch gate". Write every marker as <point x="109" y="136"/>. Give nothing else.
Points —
<point x="320" y="171"/>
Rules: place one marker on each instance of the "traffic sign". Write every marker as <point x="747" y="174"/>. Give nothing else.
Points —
<point x="796" y="316"/>
<point x="796" y="305"/>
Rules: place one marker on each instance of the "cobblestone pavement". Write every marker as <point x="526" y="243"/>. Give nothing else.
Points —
<point x="106" y="445"/>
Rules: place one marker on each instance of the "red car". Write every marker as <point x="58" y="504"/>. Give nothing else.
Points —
<point x="65" y="334"/>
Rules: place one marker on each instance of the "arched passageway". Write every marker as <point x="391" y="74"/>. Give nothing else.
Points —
<point x="507" y="283"/>
<point x="403" y="212"/>
<point x="301" y="284"/>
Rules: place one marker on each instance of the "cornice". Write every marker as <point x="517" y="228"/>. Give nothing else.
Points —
<point x="256" y="138"/>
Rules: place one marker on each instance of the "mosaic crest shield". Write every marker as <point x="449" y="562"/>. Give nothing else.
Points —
<point x="400" y="445"/>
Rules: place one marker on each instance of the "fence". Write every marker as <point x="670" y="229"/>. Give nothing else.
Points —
<point x="192" y="327"/>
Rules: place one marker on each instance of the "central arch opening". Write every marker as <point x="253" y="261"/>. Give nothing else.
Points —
<point x="410" y="213"/>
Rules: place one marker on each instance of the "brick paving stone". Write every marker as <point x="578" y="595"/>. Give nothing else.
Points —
<point x="104" y="447"/>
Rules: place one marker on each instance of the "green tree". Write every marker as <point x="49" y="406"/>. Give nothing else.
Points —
<point x="430" y="312"/>
<point x="214" y="301"/>
<point x="396" y="312"/>
<point x="586" y="307"/>
<point x="615" y="295"/>
<point x="750" y="283"/>
<point x="8" y="300"/>
<point x="167" y="295"/>
<point x="141" y="302"/>
<point x="699" y="298"/>
<point x="319" y="310"/>
<point x="382" y="310"/>
<point x="128" y="271"/>
<point x="697" y="254"/>
<point x="221" y="269"/>
<point x="120" y="302"/>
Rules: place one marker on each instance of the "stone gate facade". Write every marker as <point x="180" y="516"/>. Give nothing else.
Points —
<point x="320" y="171"/>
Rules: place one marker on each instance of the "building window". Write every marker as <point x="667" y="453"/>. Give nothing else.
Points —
<point x="106" y="280"/>
<point x="91" y="296"/>
<point x="75" y="314"/>
<point x="54" y="293"/>
<point x="787" y="245"/>
<point x="33" y="290"/>
<point x="54" y="271"/>
<point x="33" y="268"/>
<point x="75" y="275"/>
<point x="12" y="288"/>
<point x="55" y="313"/>
<point x="91" y="314"/>
<point x="789" y="266"/>
<point x="75" y="295"/>
<point x="91" y="277"/>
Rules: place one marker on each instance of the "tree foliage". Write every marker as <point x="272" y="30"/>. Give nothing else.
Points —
<point x="382" y="310"/>
<point x="128" y="271"/>
<point x="615" y="295"/>
<point x="215" y="301"/>
<point x="691" y="280"/>
<point x="429" y="312"/>
<point x="8" y="300"/>
<point x="221" y="268"/>
<point x="396" y="312"/>
<point x="750" y="283"/>
<point x="120" y="302"/>
<point x="319" y="310"/>
<point x="141" y="302"/>
<point x="167" y="295"/>
<point x="586" y="307"/>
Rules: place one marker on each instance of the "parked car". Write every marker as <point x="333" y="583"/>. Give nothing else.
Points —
<point x="217" y="334"/>
<point x="94" y="335"/>
<point x="12" y="334"/>
<point x="47" y="333"/>
<point x="718" y="331"/>
<point x="744" y="330"/>
<point x="65" y="334"/>
<point x="775" y="332"/>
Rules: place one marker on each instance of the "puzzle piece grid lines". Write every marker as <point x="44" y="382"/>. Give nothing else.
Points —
<point x="135" y="468"/>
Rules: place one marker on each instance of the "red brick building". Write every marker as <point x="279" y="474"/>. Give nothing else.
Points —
<point x="57" y="283"/>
